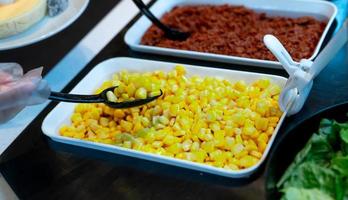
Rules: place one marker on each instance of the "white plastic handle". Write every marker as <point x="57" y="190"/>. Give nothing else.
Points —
<point x="279" y="51"/>
<point x="3" y="2"/>
<point x="297" y="90"/>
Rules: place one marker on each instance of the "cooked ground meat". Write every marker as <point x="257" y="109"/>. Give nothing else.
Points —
<point x="236" y="31"/>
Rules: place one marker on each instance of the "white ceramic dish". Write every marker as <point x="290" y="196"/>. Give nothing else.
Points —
<point x="61" y="113"/>
<point x="321" y="10"/>
<point x="47" y="27"/>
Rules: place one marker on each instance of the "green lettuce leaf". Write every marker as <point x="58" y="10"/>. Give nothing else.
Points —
<point x="344" y="141"/>
<point x="293" y="193"/>
<point x="340" y="188"/>
<point x="320" y="169"/>
<point x="310" y="175"/>
<point x="330" y="129"/>
<point x="340" y="163"/>
<point x="293" y="166"/>
<point x="317" y="150"/>
<point x="321" y="150"/>
<point x="344" y="135"/>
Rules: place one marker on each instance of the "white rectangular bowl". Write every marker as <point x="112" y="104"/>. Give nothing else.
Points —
<point x="321" y="10"/>
<point x="61" y="113"/>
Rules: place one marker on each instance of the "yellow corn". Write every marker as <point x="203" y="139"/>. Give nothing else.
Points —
<point x="104" y="121"/>
<point x="111" y="96"/>
<point x="208" y="146"/>
<point x="186" y="145"/>
<point x="195" y="146"/>
<point x="141" y="93"/>
<point x="248" y="161"/>
<point x="261" y="124"/>
<point x="119" y="114"/>
<point x="155" y="93"/>
<point x="256" y="154"/>
<point x="157" y="144"/>
<point x="207" y="120"/>
<point x="175" y="148"/>
<point x="126" y="125"/>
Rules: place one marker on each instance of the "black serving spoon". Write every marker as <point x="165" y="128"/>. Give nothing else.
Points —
<point x="100" y="98"/>
<point x="170" y="33"/>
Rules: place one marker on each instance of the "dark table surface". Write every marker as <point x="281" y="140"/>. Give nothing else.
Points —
<point x="38" y="168"/>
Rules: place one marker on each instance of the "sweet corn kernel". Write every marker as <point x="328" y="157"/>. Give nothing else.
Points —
<point x="208" y="146"/>
<point x="76" y="118"/>
<point x="127" y="144"/>
<point x="239" y="139"/>
<point x="262" y="146"/>
<point x="157" y="144"/>
<point x="262" y="138"/>
<point x="195" y="146"/>
<point x="240" y="86"/>
<point x="256" y="154"/>
<point x="141" y="93"/>
<point x="169" y="140"/>
<point x="119" y="114"/>
<point x="270" y="131"/>
<point x="175" y="148"/>
<point x="200" y="155"/>
<point x="237" y="148"/>
<point x="217" y="156"/>
<point x="186" y="145"/>
<point x="180" y="70"/>
<point x="261" y="124"/>
<point x="174" y="109"/>
<point x="215" y="126"/>
<point x="231" y="167"/>
<point x="249" y="130"/>
<point x="155" y="93"/>
<point x="127" y="126"/>
<point x="248" y="161"/>
<point x="130" y="89"/>
<point x="111" y="96"/>
<point x="104" y="121"/>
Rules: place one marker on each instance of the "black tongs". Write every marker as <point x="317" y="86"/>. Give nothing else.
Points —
<point x="170" y="33"/>
<point x="100" y="98"/>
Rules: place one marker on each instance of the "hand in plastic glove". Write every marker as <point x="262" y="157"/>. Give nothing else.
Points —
<point x="18" y="91"/>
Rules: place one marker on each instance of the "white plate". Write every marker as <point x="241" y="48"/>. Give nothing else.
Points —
<point x="61" y="113"/>
<point x="47" y="27"/>
<point x="289" y="8"/>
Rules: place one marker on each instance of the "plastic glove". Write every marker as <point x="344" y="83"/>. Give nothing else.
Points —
<point x="18" y="91"/>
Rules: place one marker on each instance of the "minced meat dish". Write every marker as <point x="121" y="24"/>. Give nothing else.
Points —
<point x="236" y="31"/>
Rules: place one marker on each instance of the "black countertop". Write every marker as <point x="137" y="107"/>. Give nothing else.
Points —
<point x="38" y="168"/>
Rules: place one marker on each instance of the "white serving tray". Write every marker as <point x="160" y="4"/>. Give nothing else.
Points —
<point x="321" y="10"/>
<point x="61" y="113"/>
<point x="46" y="27"/>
